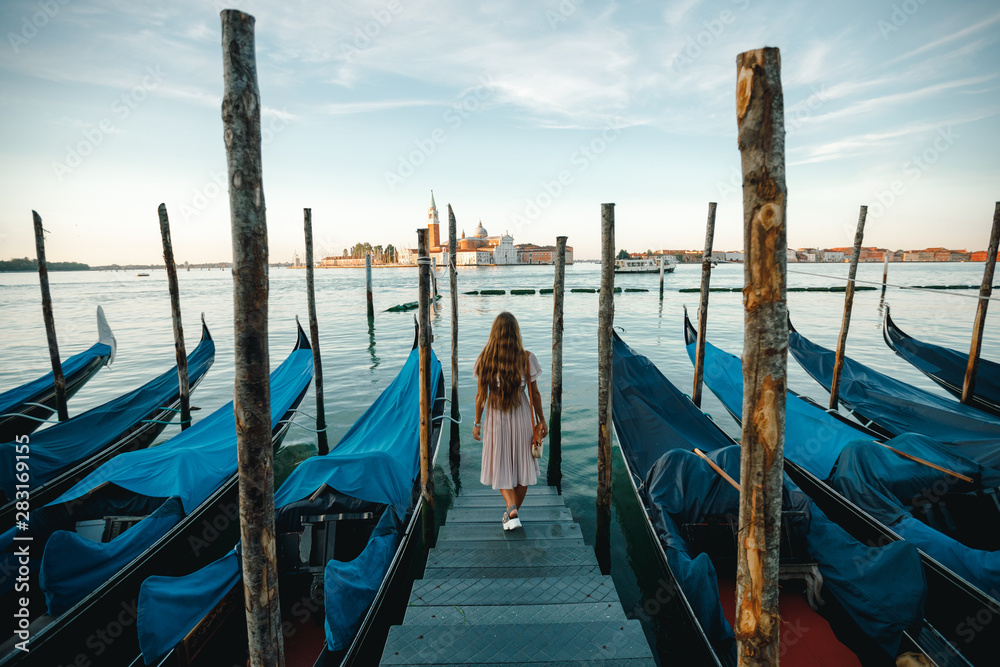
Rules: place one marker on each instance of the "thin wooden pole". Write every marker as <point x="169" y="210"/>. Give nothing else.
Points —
<point x="885" y="268"/>
<point x="555" y="405"/>
<point x="715" y="466"/>
<point x="424" y="343"/>
<point x="454" y="453"/>
<point x="323" y="445"/>
<point x="706" y="277"/>
<point x="605" y="322"/>
<point x="838" y="363"/>
<point x="662" y="257"/>
<point x="434" y="277"/>
<point x="175" y="318"/>
<point x="252" y="396"/>
<point x="368" y="286"/>
<point x="985" y="290"/>
<point x="50" y="322"/>
<point x="761" y="137"/>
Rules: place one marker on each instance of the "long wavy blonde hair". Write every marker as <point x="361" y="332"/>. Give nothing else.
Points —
<point x="503" y="363"/>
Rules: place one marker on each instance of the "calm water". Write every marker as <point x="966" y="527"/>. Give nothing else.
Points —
<point x="358" y="364"/>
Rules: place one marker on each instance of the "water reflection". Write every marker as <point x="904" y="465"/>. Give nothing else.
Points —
<point x="375" y="361"/>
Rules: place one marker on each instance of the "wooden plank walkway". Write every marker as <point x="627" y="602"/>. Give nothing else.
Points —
<point x="530" y="596"/>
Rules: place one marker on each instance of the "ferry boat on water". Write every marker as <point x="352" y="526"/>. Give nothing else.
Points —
<point x="650" y="265"/>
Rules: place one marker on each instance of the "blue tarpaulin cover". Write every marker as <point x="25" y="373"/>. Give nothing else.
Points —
<point x="885" y="597"/>
<point x="377" y="460"/>
<point x="872" y="477"/>
<point x="188" y="468"/>
<point x="14" y="398"/>
<point x="59" y="447"/>
<point x="900" y="408"/>
<point x="944" y="365"/>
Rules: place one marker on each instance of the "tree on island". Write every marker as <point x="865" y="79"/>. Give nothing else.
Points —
<point x="30" y="264"/>
<point x="623" y="254"/>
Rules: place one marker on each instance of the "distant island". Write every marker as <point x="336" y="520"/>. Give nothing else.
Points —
<point x="26" y="264"/>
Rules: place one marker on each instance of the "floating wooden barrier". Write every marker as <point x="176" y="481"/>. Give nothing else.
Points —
<point x="522" y="291"/>
<point x="634" y="289"/>
<point x="492" y="292"/>
<point x="546" y="290"/>
<point x="412" y="305"/>
<point x="585" y="290"/>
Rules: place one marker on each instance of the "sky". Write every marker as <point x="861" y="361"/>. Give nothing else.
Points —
<point x="525" y="115"/>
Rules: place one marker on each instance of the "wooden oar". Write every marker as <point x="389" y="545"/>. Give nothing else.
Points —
<point x="717" y="469"/>
<point x="926" y="463"/>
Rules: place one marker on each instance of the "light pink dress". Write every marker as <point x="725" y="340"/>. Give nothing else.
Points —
<point x="507" y="459"/>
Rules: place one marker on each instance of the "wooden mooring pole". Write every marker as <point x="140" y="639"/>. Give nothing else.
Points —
<point x="424" y="344"/>
<point x="662" y="258"/>
<point x="252" y="396"/>
<point x="554" y="471"/>
<point x="605" y="323"/>
<point x="985" y="290"/>
<point x="852" y="272"/>
<point x="761" y="137"/>
<point x="175" y="318"/>
<point x="323" y="443"/>
<point x="454" y="442"/>
<point x="368" y="286"/>
<point x="885" y="268"/>
<point x="50" y="322"/>
<point x="706" y="277"/>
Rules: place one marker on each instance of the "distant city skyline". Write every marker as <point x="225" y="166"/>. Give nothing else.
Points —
<point x="527" y="116"/>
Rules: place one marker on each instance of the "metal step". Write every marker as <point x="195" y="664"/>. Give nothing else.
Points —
<point x="543" y="643"/>
<point x="505" y="573"/>
<point x="512" y="544"/>
<point x="576" y="612"/>
<point x="496" y="501"/>
<point x="494" y="515"/>
<point x="552" y="555"/>
<point x="494" y="532"/>
<point x="513" y="591"/>
<point x="481" y="490"/>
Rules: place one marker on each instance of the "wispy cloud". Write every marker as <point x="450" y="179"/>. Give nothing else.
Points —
<point x="948" y="39"/>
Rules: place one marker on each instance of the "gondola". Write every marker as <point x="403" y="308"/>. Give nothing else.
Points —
<point x="25" y="408"/>
<point x="67" y="452"/>
<point x="690" y="510"/>
<point x="883" y="484"/>
<point x="142" y="513"/>
<point x="890" y="407"/>
<point x="946" y="366"/>
<point x="344" y="521"/>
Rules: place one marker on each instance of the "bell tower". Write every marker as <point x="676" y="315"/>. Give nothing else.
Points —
<point x="433" y="223"/>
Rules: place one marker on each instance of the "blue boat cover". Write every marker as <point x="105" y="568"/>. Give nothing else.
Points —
<point x="377" y="460"/>
<point x="884" y="598"/>
<point x="14" y="398"/>
<point x="62" y="445"/>
<point x="944" y="365"/>
<point x="900" y="408"/>
<point x="872" y="477"/>
<point x="187" y="469"/>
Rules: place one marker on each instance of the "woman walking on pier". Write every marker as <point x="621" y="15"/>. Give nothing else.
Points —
<point x="504" y="414"/>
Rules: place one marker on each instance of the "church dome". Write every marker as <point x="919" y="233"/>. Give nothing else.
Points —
<point x="481" y="231"/>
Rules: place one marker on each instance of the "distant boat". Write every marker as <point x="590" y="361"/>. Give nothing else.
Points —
<point x="650" y="265"/>
<point x="142" y="275"/>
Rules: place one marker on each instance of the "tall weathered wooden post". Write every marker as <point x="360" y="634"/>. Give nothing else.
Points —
<point x="368" y="285"/>
<point x="50" y="322"/>
<point x="554" y="472"/>
<point x="605" y="322"/>
<point x="985" y="290"/>
<point x="455" y="439"/>
<point x="424" y="344"/>
<point x="323" y="442"/>
<point x="761" y="136"/>
<point x="175" y="318"/>
<point x="838" y="363"/>
<point x="252" y="396"/>
<point x="662" y="267"/>
<point x="706" y="277"/>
